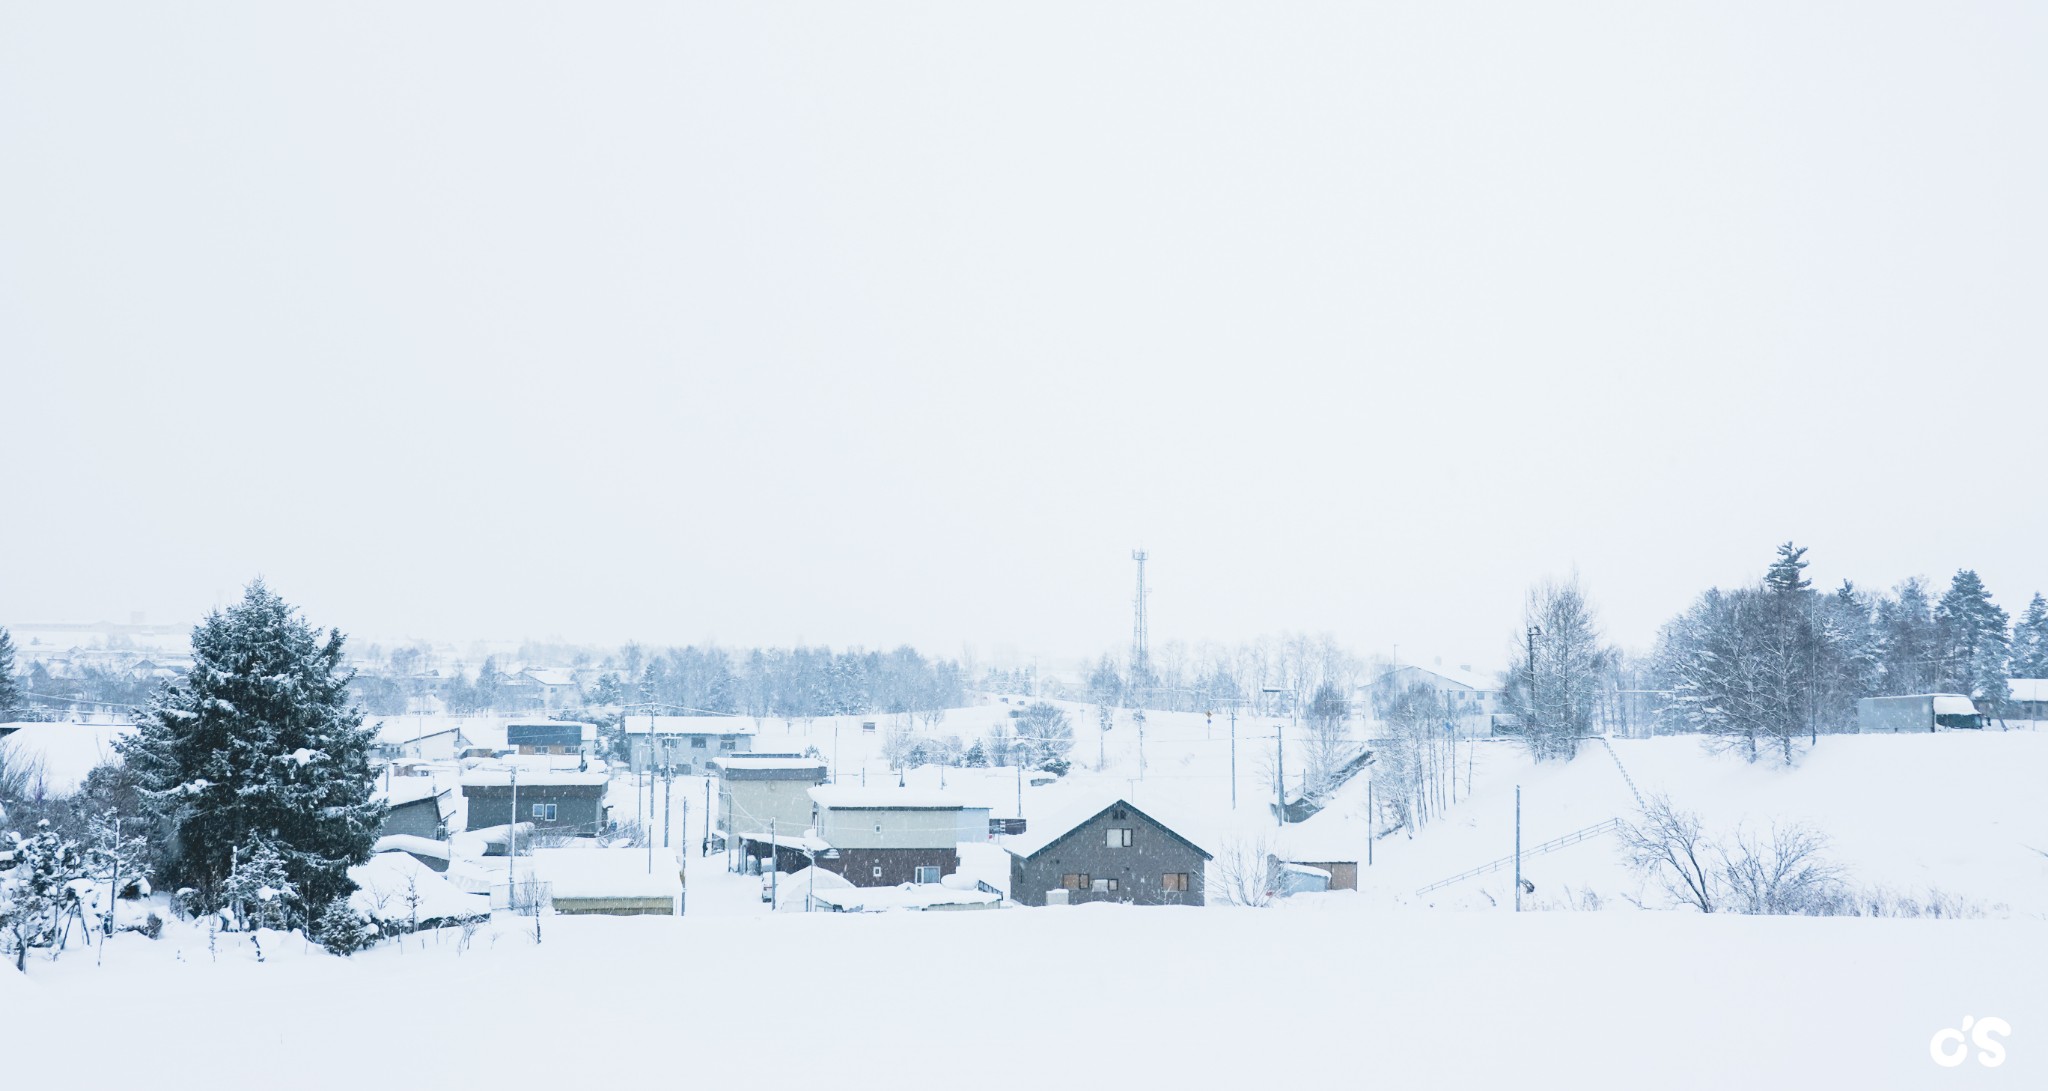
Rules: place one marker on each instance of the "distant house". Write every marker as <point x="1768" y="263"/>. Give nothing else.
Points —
<point x="563" y="802"/>
<point x="550" y="736"/>
<point x="755" y="793"/>
<point x="684" y="743"/>
<point x="1115" y="853"/>
<point x="1474" y="699"/>
<point x="887" y="836"/>
<point x="538" y="688"/>
<point x="2029" y="698"/>
<point x="419" y="807"/>
<point x="417" y="737"/>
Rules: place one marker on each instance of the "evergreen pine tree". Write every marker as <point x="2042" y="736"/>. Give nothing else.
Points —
<point x="13" y="703"/>
<point x="1785" y="576"/>
<point x="2030" y="641"/>
<point x="343" y="930"/>
<point x="35" y="895"/>
<point x="1964" y="620"/>
<point x="260" y="741"/>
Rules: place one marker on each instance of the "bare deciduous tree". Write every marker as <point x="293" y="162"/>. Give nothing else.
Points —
<point x="1670" y="846"/>
<point x="1247" y="873"/>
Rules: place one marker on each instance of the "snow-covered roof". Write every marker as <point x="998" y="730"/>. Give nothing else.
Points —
<point x="399" y="791"/>
<point x="1458" y="676"/>
<point x="756" y="762"/>
<point x="1954" y="704"/>
<point x="794" y="885"/>
<point x="415" y="844"/>
<point x="399" y="730"/>
<point x="548" y="677"/>
<point x="2029" y="689"/>
<point x="555" y="778"/>
<point x="387" y="882"/>
<point x="690" y="725"/>
<point x="1044" y="827"/>
<point x="853" y="797"/>
<point x="66" y="752"/>
<point x="604" y="873"/>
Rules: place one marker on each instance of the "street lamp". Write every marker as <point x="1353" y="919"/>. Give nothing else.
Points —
<point x="1279" y="759"/>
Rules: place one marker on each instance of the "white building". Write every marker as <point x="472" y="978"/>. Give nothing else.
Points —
<point x="1474" y="698"/>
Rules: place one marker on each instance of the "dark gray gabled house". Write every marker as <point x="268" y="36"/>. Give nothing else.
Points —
<point x="1115" y="854"/>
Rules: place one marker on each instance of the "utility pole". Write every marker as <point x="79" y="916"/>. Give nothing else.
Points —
<point x="1141" y="669"/>
<point x="668" y="788"/>
<point x="1233" y="755"/>
<point x="1518" y="848"/>
<point x="775" y="854"/>
<point x="1279" y="760"/>
<point x="683" y="864"/>
<point x="708" y="812"/>
<point x="1534" y="632"/>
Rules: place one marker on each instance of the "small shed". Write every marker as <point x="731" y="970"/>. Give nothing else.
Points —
<point x="615" y="882"/>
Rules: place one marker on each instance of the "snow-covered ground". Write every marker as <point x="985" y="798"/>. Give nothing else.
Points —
<point x="1035" y="998"/>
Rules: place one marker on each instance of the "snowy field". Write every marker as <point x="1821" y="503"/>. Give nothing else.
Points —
<point x="1036" y="998"/>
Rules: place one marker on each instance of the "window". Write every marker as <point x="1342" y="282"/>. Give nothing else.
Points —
<point x="878" y="871"/>
<point x="699" y="743"/>
<point x="544" y="811"/>
<point x="878" y="827"/>
<point x="1119" y="837"/>
<point x="725" y="744"/>
<point x="1103" y="886"/>
<point x="1176" y="881"/>
<point x="1074" y="882"/>
<point x="925" y="875"/>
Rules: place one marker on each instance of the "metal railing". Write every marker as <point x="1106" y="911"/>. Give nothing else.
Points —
<point x="1552" y="845"/>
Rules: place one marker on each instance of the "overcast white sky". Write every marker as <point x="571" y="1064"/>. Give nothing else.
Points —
<point x="859" y="323"/>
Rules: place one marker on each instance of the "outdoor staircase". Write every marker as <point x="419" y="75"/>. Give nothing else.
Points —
<point x="1625" y="778"/>
<point x="1552" y="845"/>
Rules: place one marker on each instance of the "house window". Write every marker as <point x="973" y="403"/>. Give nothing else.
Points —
<point x="1119" y="837"/>
<point x="878" y="827"/>
<point x="1103" y="886"/>
<point x="699" y="743"/>
<point x="725" y="744"/>
<point x="1074" y="882"/>
<point x="926" y="875"/>
<point x="1176" y="881"/>
<point x="544" y="811"/>
<point x="1119" y="814"/>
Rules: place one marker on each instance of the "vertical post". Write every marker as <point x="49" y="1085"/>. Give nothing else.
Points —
<point x="1280" y="768"/>
<point x="708" y="812"/>
<point x="512" y="845"/>
<point x="774" y="854"/>
<point x="1371" y="821"/>
<point x="1518" y="848"/>
<point x="668" y="788"/>
<point x="114" y="895"/>
<point x="1020" y="789"/>
<point x="683" y="864"/>
<point x="1233" y="755"/>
